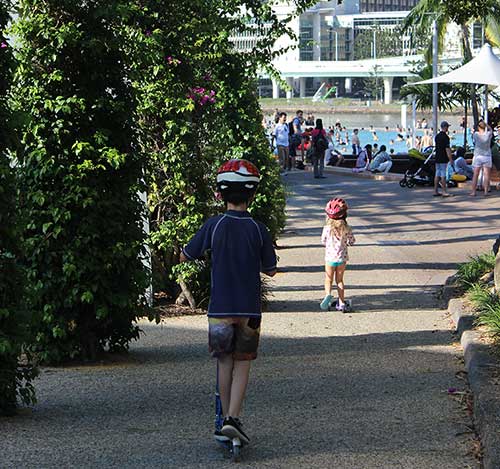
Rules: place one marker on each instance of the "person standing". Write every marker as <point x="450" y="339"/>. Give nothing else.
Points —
<point x="241" y="248"/>
<point x="443" y="157"/>
<point x="426" y="140"/>
<point x="336" y="237"/>
<point x="282" y="136"/>
<point x="276" y="115"/>
<point x="482" y="159"/>
<point x="356" y="144"/>
<point x="319" y="144"/>
<point x="296" y="135"/>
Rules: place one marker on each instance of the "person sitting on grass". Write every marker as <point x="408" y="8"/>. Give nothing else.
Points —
<point x="241" y="248"/>
<point x="382" y="162"/>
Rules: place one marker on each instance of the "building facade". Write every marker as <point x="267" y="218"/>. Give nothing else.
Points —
<point x="355" y="30"/>
<point x="366" y="6"/>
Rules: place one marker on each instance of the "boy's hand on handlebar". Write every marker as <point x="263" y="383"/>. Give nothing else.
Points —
<point x="272" y="273"/>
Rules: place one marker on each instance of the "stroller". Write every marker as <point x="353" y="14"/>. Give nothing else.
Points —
<point x="420" y="168"/>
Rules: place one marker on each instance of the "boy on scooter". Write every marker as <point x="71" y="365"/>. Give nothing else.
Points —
<point x="241" y="248"/>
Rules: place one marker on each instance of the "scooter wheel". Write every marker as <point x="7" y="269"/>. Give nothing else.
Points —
<point x="410" y="183"/>
<point x="236" y="453"/>
<point x="402" y="183"/>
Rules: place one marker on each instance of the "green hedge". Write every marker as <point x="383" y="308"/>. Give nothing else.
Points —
<point x="15" y="372"/>
<point x="79" y="178"/>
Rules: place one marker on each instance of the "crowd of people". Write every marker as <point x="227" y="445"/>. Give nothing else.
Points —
<point x="298" y="140"/>
<point x="453" y="165"/>
<point x="318" y="145"/>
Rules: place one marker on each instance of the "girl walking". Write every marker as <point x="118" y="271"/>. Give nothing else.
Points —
<point x="337" y="236"/>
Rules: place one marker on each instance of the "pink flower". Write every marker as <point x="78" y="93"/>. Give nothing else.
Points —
<point x="171" y="61"/>
<point x="148" y="32"/>
<point x="3" y="45"/>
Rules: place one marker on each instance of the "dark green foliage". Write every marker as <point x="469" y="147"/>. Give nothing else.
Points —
<point x="15" y="373"/>
<point x="79" y="178"/>
<point x="470" y="272"/>
<point x="198" y="108"/>
<point x="466" y="10"/>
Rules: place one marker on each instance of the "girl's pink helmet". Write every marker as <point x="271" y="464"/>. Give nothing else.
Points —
<point x="336" y="209"/>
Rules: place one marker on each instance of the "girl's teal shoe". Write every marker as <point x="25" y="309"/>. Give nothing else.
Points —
<point x="325" y="304"/>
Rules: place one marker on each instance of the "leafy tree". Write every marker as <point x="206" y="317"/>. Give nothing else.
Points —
<point x="198" y="107"/>
<point x="79" y="178"/>
<point x="487" y="12"/>
<point x="371" y="85"/>
<point x="448" y="96"/>
<point x="15" y="373"/>
<point x="388" y="43"/>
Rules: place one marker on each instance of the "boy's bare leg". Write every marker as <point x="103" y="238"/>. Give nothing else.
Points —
<point x="226" y="364"/>
<point x="241" y="372"/>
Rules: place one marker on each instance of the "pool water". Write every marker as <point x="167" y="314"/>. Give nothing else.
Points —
<point x="389" y="138"/>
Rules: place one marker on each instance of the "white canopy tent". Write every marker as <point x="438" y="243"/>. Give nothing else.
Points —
<point x="484" y="69"/>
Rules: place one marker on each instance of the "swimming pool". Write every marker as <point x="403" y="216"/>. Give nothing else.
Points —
<point x="389" y="138"/>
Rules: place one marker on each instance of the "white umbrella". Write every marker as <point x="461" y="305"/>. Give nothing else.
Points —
<point x="484" y="69"/>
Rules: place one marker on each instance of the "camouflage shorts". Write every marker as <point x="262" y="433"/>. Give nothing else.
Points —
<point x="238" y="336"/>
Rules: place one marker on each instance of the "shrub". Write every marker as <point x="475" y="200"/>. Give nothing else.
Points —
<point x="472" y="271"/>
<point x="197" y="107"/>
<point x="487" y="305"/>
<point x="79" y="178"/>
<point x="15" y="373"/>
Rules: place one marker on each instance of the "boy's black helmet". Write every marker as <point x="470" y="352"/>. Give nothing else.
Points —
<point x="238" y="176"/>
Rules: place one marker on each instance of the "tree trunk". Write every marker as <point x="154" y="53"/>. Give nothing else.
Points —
<point x="468" y="57"/>
<point x="89" y="341"/>
<point x="465" y="124"/>
<point x="185" y="295"/>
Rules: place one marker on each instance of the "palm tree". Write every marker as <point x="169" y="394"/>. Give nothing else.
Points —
<point x="463" y="13"/>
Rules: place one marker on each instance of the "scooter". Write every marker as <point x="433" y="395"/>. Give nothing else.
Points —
<point x="231" y="445"/>
<point x="347" y="306"/>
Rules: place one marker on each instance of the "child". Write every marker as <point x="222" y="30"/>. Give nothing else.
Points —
<point x="363" y="160"/>
<point x="241" y="248"/>
<point x="337" y="235"/>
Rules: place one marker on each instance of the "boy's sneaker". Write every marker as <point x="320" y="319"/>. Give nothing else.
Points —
<point x="340" y="307"/>
<point x="325" y="304"/>
<point x="220" y="437"/>
<point x="232" y="429"/>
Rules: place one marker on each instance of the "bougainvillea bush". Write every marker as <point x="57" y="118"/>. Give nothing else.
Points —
<point x="15" y="372"/>
<point x="197" y="107"/>
<point x="79" y="178"/>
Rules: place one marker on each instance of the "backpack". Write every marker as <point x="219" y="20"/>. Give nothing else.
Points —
<point x="291" y="131"/>
<point x="320" y="143"/>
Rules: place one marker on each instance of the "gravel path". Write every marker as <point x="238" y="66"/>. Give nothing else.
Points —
<point x="363" y="390"/>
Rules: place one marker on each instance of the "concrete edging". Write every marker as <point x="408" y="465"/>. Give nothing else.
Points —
<point x="364" y="174"/>
<point x="479" y="363"/>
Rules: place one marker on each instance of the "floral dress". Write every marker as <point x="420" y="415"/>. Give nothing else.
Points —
<point x="335" y="248"/>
